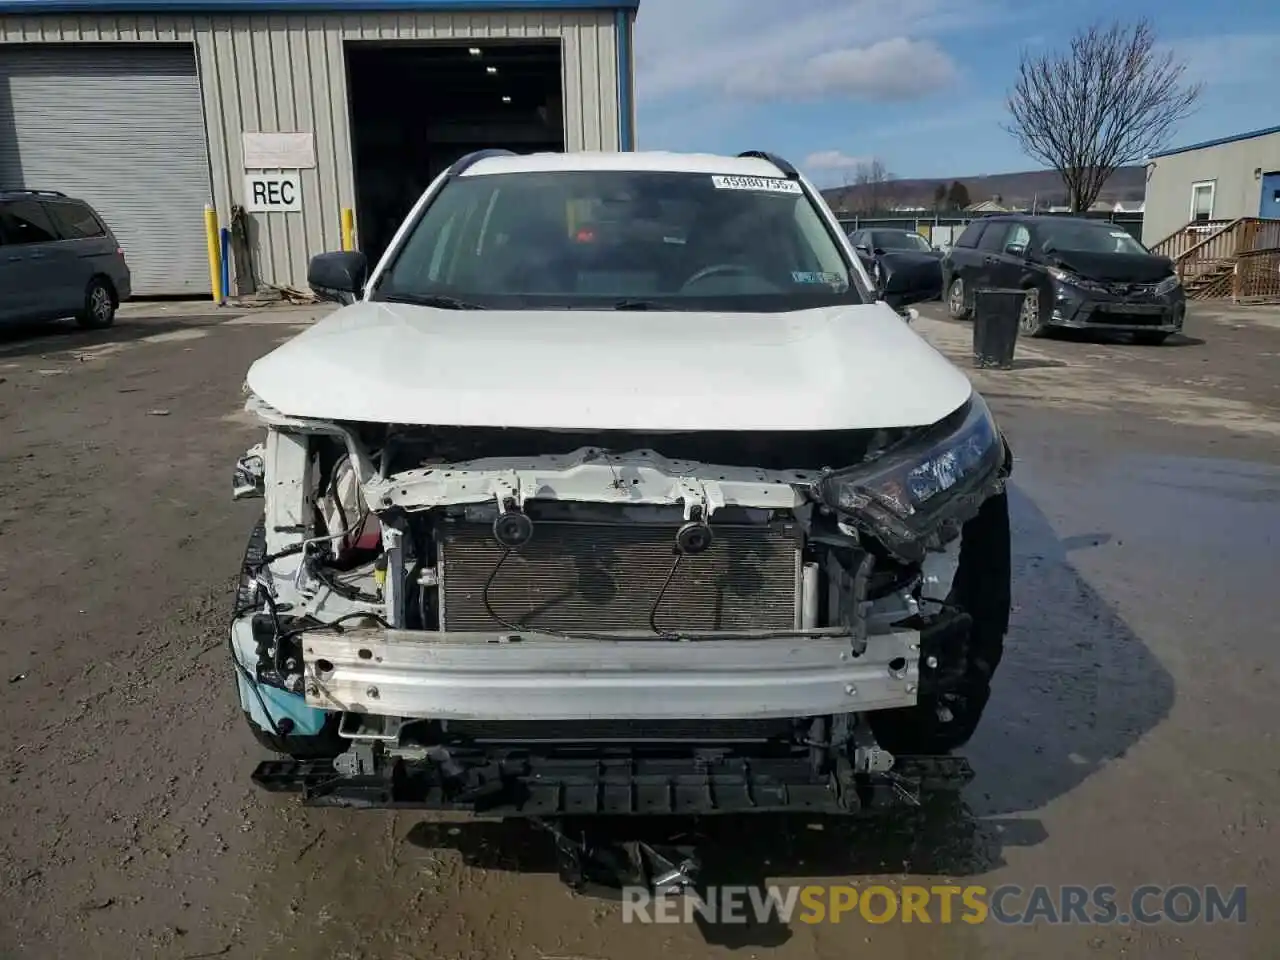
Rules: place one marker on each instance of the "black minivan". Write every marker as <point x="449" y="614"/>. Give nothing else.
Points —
<point x="58" y="259"/>
<point x="1077" y="273"/>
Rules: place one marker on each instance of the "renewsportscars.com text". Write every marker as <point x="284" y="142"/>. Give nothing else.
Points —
<point x="1009" y="904"/>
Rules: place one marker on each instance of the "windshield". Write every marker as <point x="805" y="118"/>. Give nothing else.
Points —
<point x="621" y="239"/>
<point x="898" y="240"/>
<point x="1090" y="238"/>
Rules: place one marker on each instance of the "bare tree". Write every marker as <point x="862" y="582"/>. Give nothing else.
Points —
<point x="872" y="183"/>
<point x="1110" y="99"/>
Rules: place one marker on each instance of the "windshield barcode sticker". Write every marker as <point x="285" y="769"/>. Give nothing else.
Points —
<point x="764" y="184"/>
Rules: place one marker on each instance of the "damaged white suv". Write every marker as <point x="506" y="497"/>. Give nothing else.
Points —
<point x="616" y="487"/>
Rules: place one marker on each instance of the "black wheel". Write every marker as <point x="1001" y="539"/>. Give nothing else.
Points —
<point x="940" y="723"/>
<point x="99" y="310"/>
<point x="957" y="309"/>
<point x="317" y="746"/>
<point x="1031" y="321"/>
<point x="1150" y="338"/>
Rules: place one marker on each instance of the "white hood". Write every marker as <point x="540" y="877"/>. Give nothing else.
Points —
<point x="835" y="368"/>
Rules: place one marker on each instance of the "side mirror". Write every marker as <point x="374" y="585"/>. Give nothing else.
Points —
<point x="879" y="251"/>
<point x="906" y="279"/>
<point x="339" y="276"/>
<point x="863" y="249"/>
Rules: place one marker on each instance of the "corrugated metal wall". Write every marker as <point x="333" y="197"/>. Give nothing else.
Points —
<point x="122" y="129"/>
<point x="287" y="73"/>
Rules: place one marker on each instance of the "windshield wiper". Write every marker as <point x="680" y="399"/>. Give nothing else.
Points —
<point x="642" y="305"/>
<point x="432" y="300"/>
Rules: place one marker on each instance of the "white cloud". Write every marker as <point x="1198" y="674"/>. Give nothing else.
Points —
<point x="832" y="160"/>
<point x="1228" y="60"/>
<point x="891" y="70"/>
<point x="813" y="49"/>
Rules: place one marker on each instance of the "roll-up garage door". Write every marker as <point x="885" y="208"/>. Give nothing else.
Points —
<point x="121" y="127"/>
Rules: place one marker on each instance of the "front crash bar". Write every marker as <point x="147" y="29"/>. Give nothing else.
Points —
<point x="532" y="676"/>
<point x="551" y="787"/>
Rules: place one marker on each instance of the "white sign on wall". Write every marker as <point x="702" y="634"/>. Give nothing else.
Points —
<point x="273" y="193"/>
<point x="279" y="151"/>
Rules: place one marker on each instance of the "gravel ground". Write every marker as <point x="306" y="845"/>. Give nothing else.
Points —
<point x="1131" y="739"/>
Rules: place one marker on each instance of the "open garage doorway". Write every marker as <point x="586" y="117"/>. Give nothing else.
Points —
<point x="416" y="108"/>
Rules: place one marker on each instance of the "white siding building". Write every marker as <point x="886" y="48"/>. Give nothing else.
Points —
<point x="151" y="116"/>
<point x="1215" y="181"/>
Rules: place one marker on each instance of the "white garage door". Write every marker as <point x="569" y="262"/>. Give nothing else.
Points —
<point x="121" y="127"/>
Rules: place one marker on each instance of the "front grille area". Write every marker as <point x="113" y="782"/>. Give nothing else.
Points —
<point x="587" y="577"/>
<point x="1130" y="319"/>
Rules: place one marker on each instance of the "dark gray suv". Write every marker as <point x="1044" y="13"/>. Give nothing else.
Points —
<point x="58" y="259"/>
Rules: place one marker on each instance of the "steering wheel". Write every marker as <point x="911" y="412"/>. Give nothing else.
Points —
<point x="718" y="269"/>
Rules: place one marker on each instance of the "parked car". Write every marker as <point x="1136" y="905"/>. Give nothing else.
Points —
<point x="1077" y="273"/>
<point x="530" y="456"/>
<point x="874" y="243"/>
<point x="58" y="259"/>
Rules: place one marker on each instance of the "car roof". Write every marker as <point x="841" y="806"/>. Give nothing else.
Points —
<point x="1040" y="218"/>
<point x="35" y="195"/>
<point x="648" y="161"/>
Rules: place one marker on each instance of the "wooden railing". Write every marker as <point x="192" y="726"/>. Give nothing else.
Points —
<point x="1210" y="248"/>
<point x="1256" y="278"/>
<point x="1184" y="238"/>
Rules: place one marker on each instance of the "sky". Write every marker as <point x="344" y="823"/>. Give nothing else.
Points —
<point x="919" y="84"/>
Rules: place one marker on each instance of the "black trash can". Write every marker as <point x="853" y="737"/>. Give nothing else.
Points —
<point x="995" y="326"/>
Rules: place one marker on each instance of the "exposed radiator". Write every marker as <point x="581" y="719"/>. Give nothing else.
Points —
<point x="585" y="577"/>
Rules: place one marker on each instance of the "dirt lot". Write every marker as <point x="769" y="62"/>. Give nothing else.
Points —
<point x="1132" y="739"/>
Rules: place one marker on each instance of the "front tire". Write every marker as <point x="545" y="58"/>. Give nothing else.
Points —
<point x="99" y="310"/>
<point x="1031" y="321"/>
<point x="957" y="309"/>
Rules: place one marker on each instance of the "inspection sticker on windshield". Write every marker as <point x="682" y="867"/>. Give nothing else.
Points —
<point x="765" y="184"/>
<point x="801" y="276"/>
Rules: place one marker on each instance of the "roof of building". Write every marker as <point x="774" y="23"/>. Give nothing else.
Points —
<point x="285" y="6"/>
<point x="1264" y="132"/>
<point x="652" y="160"/>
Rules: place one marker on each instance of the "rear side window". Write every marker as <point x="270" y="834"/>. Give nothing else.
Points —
<point x="969" y="238"/>
<point x="25" y="221"/>
<point x="993" y="238"/>
<point x="75" y="221"/>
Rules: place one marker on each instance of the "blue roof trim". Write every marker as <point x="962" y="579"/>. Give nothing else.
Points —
<point x="1266" y="131"/>
<point x="298" y="6"/>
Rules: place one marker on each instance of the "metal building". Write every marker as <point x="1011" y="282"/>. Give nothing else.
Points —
<point x="281" y="113"/>
<point x="1212" y="183"/>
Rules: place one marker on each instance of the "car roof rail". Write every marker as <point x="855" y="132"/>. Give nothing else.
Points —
<point x="789" y="171"/>
<point x="35" y="193"/>
<point x="471" y="159"/>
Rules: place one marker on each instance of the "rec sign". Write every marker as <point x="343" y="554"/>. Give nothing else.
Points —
<point x="272" y="193"/>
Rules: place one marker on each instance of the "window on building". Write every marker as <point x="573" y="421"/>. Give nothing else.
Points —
<point x="1202" y="201"/>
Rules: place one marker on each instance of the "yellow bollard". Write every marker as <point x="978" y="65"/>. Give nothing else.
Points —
<point x="348" y="229"/>
<point x="215" y="252"/>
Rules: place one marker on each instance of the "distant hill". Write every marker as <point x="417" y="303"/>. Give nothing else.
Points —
<point x="1042" y="186"/>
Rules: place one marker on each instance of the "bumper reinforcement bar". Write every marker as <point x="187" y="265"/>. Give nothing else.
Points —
<point x="558" y="787"/>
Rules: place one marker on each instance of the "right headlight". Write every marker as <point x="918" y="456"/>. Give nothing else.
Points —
<point x="943" y="473"/>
